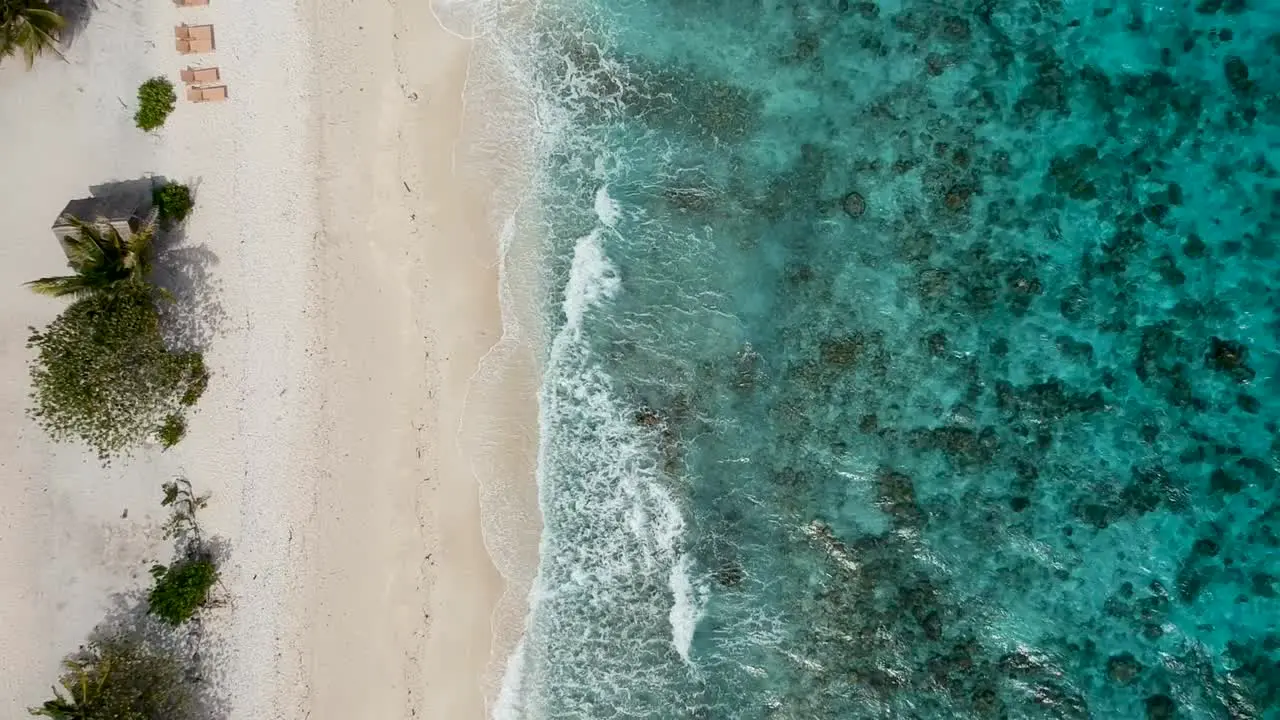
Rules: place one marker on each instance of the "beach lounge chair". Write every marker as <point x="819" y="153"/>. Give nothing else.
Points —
<point x="191" y="39"/>
<point x="215" y="93"/>
<point x="200" y="76"/>
<point x="191" y="3"/>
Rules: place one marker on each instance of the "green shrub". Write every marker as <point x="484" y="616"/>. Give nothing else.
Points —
<point x="199" y="380"/>
<point x="173" y="201"/>
<point x="103" y="375"/>
<point x="181" y="589"/>
<point x="121" y="678"/>
<point x="155" y="102"/>
<point x="172" y="431"/>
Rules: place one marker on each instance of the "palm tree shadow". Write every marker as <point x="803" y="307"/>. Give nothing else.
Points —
<point x="76" y="15"/>
<point x="195" y="316"/>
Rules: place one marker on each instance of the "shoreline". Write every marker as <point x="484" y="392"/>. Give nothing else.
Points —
<point x="499" y="430"/>
<point x="453" y="598"/>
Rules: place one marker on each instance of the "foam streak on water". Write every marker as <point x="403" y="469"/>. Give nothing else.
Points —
<point x="612" y="531"/>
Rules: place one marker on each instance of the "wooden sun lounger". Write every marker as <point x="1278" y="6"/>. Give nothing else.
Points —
<point x="192" y="76"/>
<point x="216" y="93"/>
<point x="191" y="3"/>
<point x="194" y="47"/>
<point x="193" y="38"/>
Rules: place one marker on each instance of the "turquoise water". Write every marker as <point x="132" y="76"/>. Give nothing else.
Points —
<point x="910" y="360"/>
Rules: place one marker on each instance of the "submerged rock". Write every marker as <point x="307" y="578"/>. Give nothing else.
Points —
<point x="1160" y="707"/>
<point x="1159" y="352"/>
<point x="955" y="28"/>
<point x="1150" y="487"/>
<point x="821" y="533"/>
<point x="1048" y="92"/>
<point x="917" y="246"/>
<point x="855" y="206"/>
<point x="1169" y="272"/>
<point x="1193" y="246"/>
<point x="898" y="496"/>
<point x="1230" y="357"/>
<point x="1263" y="585"/>
<point x="730" y="574"/>
<point x="1123" y="668"/>
<point x="935" y="64"/>
<point x="747" y="369"/>
<point x="1074" y="304"/>
<point x="933" y="283"/>
<point x="957" y="198"/>
<point x="1077" y="350"/>
<point x="931" y="624"/>
<point x="1220" y="481"/>
<point x="1237" y="74"/>
<point x="647" y="417"/>
<point x="1205" y="547"/>
<point x="962" y="445"/>
<point x="845" y="351"/>
<point x="1071" y="174"/>
<point x="1046" y="401"/>
<point x="936" y="343"/>
<point x="690" y="199"/>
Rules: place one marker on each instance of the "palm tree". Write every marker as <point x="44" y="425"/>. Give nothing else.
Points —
<point x="28" y="26"/>
<point x="102" y="259"/>
<point x="84" y="682"/>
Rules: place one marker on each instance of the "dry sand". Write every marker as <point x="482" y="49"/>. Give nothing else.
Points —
<point x="341" y="267"/>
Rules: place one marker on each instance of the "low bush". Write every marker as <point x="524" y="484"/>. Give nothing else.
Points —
<point x="121" y="678"/>
<point x="199" y="380"/>
<point x="172" y="431"/>
<point x="173" y="201"/>
<point x="103" y="375"/>
<point x="155" y="101"/>
<point x="181" y="589"/>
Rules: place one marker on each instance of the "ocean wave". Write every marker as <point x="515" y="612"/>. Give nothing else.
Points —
<point x="616" y="600"/>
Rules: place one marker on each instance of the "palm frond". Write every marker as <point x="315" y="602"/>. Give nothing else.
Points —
<point x="102" y="258"/>
<point x="85" y="250"/>
<point x="32" y="30"/>
<point x="138" y="252"/>
<point x="73" y="286"/>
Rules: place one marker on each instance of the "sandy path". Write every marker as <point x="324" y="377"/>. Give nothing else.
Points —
<point x="412" y="307"/>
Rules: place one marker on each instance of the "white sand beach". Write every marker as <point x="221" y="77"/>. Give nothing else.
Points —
<point x="342" y="278"/>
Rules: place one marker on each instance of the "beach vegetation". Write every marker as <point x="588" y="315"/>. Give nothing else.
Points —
<point x="139" y="664"/>
<point x="155" y="101"/>
<point x="102" y="373"/>
<point x="199" y="380"/>
<point x="183" y="587"/>
<point x="120" y="678"/>
<point x="181" y="499"/>
<point x="102" y="260"/>
<point x="173" y="202"/>
<point x="29" y="27"/>
<point x="172" y="431"/>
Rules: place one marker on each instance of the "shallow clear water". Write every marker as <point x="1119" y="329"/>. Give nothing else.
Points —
<point x="911" y="360"/>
